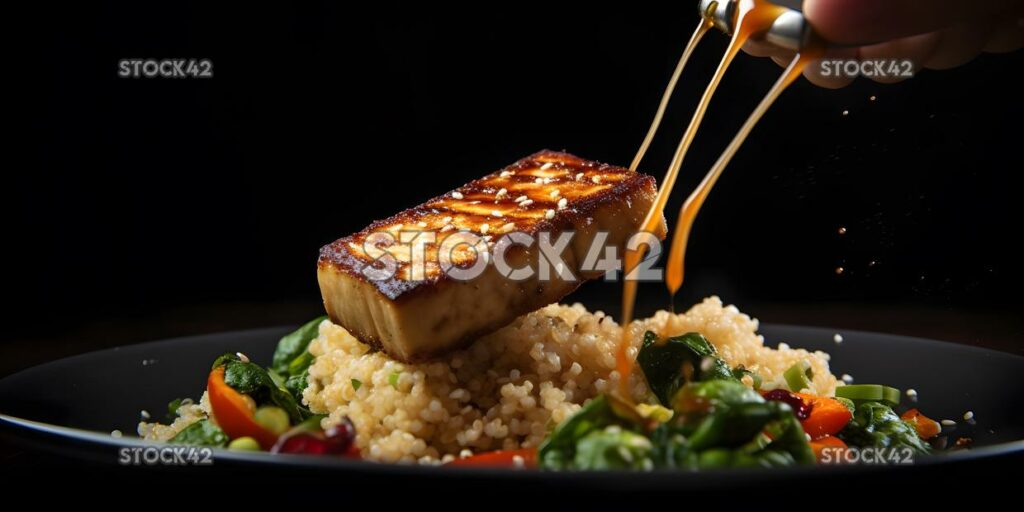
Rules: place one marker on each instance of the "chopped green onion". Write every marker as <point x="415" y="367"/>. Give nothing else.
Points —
<point x="799" y="376"/>
<point x="356" y="384"/>
<point x="871" y="392"/>
<point x="244" y="444"/>
<point x="393" y="379"/>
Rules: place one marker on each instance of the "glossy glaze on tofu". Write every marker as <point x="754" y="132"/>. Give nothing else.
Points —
<point x="420" y="311"/>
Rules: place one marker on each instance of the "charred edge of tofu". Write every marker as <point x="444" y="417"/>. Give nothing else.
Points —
<point x="586" y="185"/>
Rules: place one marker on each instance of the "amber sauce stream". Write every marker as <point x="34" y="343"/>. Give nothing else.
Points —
<point x="753" y="17"/>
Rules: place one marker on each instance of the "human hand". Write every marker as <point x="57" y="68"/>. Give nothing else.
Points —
<point x="934" y="34"/>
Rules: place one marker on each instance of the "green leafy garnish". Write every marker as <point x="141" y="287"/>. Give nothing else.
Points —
<point x="393" y="379"/>
<point x="294" y="345"/>
<point x="558" y="451"/>
<point x="669" y="364"/>
<point x="875" y="424"/>
<point x="252" y="379"/>
<point x="201" y="433"/>
<point x="356" y="384"/>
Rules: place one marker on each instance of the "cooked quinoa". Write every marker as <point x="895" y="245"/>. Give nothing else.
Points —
<point x="508" y="389"/>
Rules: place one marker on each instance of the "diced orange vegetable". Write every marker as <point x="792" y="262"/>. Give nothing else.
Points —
<point x="828" y="416"/>
<point x="499" y="459"/>
<point x="819" y="445"/>
<point x="233" y="413"/>
<point x="926" y="427"/>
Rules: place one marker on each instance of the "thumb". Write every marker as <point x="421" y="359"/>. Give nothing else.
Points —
<point x="871" y="21"/>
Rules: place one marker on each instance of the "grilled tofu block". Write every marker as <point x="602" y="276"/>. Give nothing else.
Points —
<point x="407" y="301"/>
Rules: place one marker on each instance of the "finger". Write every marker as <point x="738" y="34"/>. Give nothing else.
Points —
<point x="958" y="45"/>
<point x="760" y="48"/>
<point x="830" y="78"/>
<point x="917" y="49"/>
<point x="866" y="21"/>
<point x="1007" y="36"/>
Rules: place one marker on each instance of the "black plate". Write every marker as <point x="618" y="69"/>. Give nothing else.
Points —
<point x="70" y="406"/>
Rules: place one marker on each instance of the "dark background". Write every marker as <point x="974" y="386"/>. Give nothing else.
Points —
<point x="158" y="207"/>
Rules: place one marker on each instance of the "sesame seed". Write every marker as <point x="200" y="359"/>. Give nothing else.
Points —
<point x="496" y="213"/>
<point x="841" y="230"/>
<point x="546" y="166"/>
<point x="144" y="414"/>
<point x="808" y="436"/>
<point x="840" y="270"/>
<point x="873" y="98"/>
<point x="548" y="181"/>
<point x="555" y="193"/>
<point x="948" y="423"/>
<point x="847" y="378"/>
<point x="484" y="228"/>
<point x="596" y="179"/>
<point x="466" y="452"/>
<point x="421" y="224"/>
<point x="457" y="195"/>
<point x="838" y="338"/>
<point x="912" y="394"/>
<point x="846" y="112"/>
<point x="508" y="227"/>
<point x="550" y="214"/>
<point x="519" y="461"/>
<point x="579" y="176"/>
<point x="562" y="203"/>
<point x="526" y="203"/>
<point x="969" y="415"/>
<point x="505" y="174"/>
<point x="242" y="357"/>
<point x="502" y="193"/>
<point x="521" y="199"/>
<point x="115" y="433"/>
<point x="447" y="227"/>
<point x="539" y="181"/>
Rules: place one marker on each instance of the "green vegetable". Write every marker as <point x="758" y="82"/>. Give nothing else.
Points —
<point x="173" y="406"/>
<point x="255" y="381"/>
<point x="558" y="451"/>
<point x="201" y="433"/>
<point x="356" y="384"/>
<point x="848" y="403"/>
<point x="272" y="418"/>
<point x="300" y="364"/>
<point x="613" y="448"/>
<point x="717" y="423"/>
<point x="244" y="444"/>
<point x="798" y="376"/>
<point x="296" y="384"/>
<point x="393" y="379"/>
<point x="875" y="424"/>
<point x="294" y="345"/>
<point x="669" y="364"/>
<point x="870" y="392"/>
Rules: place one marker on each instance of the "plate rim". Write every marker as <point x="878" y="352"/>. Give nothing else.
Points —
<point x="23" y="428"/>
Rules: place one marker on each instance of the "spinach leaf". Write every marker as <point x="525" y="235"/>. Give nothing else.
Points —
<point x="255" y="381"/>
<point x="613" y="448"/>
<point x="201" y="433"/>
<point x="669" y="364"/>
<point x="559" y="449"/>
<point x="296" y="384"/>
<point x="293" y="345"/>
<point x="875" y="424"/>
